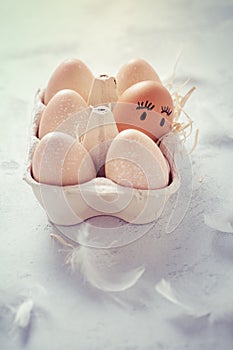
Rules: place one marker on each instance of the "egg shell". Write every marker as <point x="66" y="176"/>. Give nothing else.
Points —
<point x="63" y="105"/>
<point x="134" y="71"/>
<point x="71" y="74"/>
<point x="142" y="106"/>
<point x="60" y="160"/>
<point x="134" y="160"/>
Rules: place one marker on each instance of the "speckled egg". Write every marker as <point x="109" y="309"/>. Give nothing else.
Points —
<point x="133" y="72"/>
<point x="134" y="160"/>
<point x="71" y="74"/>
<point x="60" y="160"/>
<point x="62" y="107"/>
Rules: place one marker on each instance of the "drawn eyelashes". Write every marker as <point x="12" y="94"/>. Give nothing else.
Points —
<point x="166" y="109"/>
<point x="147" y="105"/>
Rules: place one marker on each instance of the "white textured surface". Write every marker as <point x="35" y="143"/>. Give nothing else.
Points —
<point x="67" y="312"/>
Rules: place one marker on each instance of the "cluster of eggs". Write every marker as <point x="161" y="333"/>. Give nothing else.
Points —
<point x="142" y="113"/>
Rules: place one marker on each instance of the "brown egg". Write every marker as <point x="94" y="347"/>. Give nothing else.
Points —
<point x="133" y="72"/>
<point x="134" y="160"/>
<point x="146" y="106"/>
<point x="60" y="160"/>
<point x="71" y="74"/>
<point x="59" y="111"/>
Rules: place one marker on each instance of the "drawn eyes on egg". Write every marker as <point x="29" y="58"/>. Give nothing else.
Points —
<point x="147" y="105"/>
<point x="162" y="122"/>
<point x="166" y="109"/>
<point x="143" y="116"/>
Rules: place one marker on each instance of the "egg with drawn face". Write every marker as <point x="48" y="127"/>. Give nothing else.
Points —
<point x="146" y="106"/>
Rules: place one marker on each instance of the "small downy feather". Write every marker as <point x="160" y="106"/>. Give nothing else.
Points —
<point x="217" y="306"/>
<point x="23" y="314"/>
<point x="218" y="222"/>
<point x="98" y="268"/>
<point x="178" y="297"/>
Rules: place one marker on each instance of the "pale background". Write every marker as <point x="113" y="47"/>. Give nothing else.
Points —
<point x="35" y="37"/>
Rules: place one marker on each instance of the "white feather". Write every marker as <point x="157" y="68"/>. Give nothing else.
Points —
<point x="167" y="291"/>
<point x="23" y="314"/>
<point x="103" y="268"/>
<point x="101" y="271"/>
<point x="218" y="305"/>
<point x="218" y="222"/>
